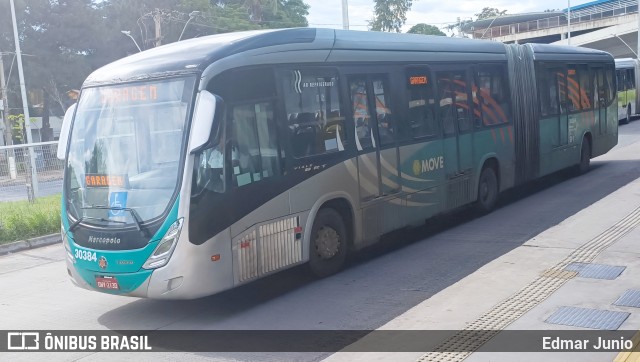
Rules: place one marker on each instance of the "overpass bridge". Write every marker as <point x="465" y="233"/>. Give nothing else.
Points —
<point x="609" y="25"/>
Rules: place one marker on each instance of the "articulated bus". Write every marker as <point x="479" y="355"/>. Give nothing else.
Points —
<point x="202" y="165"/>
<point x="627" y="76"/>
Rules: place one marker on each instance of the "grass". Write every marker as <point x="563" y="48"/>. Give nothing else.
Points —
<point x="20" y="220"/>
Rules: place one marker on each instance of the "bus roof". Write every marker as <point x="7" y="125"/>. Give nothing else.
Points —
<point x="194" y="55"/>
<point x="626" y="63"/>
<point x="551" y="52"/>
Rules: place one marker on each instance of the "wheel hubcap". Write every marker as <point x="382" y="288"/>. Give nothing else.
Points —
<point x="484" y="190"/>
<point x="327" y="242"/>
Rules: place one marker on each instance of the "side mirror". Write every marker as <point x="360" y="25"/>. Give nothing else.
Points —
<point x="63" y="141"/>
<point x="204" y="129"/>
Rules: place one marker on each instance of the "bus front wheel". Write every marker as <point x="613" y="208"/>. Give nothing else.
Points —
<point x="328" y="243"/>
<point x="487" y="190"/>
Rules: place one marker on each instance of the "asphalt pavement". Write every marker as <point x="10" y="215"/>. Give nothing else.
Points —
<point x="579" y="277"/>
<point x="444" y="276"/>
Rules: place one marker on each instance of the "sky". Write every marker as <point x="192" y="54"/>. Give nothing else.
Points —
<point x="328" y="13"/>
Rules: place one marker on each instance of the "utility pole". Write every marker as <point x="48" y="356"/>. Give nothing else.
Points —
<point x="157" y="18"/>
<point x="5" y="104"/>
<point x="568" y="22"/>
<point x="25" y="105"/>
<point x="345" y="15"/>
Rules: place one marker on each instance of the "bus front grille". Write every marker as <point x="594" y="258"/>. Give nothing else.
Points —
<point x="267" y="248"/>
<point x="246" y="257"/>
<point x="278" y="245"/>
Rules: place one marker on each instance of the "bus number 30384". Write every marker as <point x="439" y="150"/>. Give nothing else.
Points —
<point x="85" y="255"/>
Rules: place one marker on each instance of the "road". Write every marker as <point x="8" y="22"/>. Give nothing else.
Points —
<point x="19" y="192"/>
<point x="378" y="284"/>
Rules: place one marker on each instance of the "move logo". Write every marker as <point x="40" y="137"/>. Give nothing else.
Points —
<point x="431" y="164"/>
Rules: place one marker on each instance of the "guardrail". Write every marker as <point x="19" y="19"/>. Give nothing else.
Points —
<point x="18" y="182"/>
<point x="604" y="11"/>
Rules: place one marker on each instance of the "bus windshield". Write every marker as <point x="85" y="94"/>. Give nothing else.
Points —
<point x="125" y="149"/>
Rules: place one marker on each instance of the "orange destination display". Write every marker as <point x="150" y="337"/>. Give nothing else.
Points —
<point x="133" y="94"/>
<point x="417" y="80"/>
<point x="101" y="180"/>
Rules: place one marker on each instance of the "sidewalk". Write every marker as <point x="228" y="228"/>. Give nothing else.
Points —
<point x="531" y="286"/>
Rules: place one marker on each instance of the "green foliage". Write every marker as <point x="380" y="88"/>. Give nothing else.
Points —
<point x="20" y="220"/>
<point x="488" y="13"/>
<point x="458" y="26"/>
<point x="64" y="41"/>
<point x="426" y="29"/>
<point x="18" y="128"/>
<point x="390" y="15"/>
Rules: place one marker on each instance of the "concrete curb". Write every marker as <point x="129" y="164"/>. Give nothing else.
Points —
<point x="30" y="244"/>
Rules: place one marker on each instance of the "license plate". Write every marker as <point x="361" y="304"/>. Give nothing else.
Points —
<point x="107" y="283"/>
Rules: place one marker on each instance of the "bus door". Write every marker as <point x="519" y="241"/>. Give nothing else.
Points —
<point x="374" y="136"/>
<point x="565" y="105"/>
<point x="378" y="171"/>
<point x="600" y="103"/>
<point x="457" y="126"/>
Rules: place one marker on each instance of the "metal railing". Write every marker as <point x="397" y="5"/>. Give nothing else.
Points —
<point x="18" y="182"/>
<point x="581" y="16"/>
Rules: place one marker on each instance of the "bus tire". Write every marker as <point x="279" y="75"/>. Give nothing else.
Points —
<point x="585" y="156"/>
<point x="628" y="119"/>
<point x="328" y="243"/>
<point x="487" y="190"/>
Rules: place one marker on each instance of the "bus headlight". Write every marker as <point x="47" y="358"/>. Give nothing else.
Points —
<point x="165" y="247"/>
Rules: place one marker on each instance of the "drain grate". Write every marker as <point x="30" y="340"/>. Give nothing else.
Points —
<point x="630" y="298"/>
<point x="596" y="271"/>
<point x="588" y="318"/>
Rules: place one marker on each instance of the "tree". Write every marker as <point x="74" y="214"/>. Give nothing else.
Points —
<point x="488" y="13"/>
<point x="390" y="15"/>
<point x="64" y="41"/>
<point x="426" y="29"/>
<point x="18" y="129"/>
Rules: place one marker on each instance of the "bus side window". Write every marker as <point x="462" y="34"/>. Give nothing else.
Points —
<point x="253" y="147"/>
<point x="314" y="119"/>
<point x="573" y="89"/>
<point x="585" y="90"/>
<point x="493" y="96"/>
<point x="361" y="116"/>
<point x="453" y="102"/>
<point x="208" y="170"/>
<point x="620" y="79"/>
<point x="609" y="87"/>
<point x="631" y="80"/>
<point x="386" y="123"/>
<point x="422" y="107"/>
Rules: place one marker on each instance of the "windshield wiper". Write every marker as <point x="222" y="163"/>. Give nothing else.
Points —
<point x="82" y="218"/>
<point x="134" y="215"/>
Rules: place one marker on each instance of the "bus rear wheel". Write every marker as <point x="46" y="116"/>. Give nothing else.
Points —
<point x="487" y="190"/>
<point x="628" y="119"/>
<point x="328" y="243"/>
<point x="585" y="156"/>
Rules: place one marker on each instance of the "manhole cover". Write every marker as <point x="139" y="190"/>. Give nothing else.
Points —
<point x="596" y="271"/>
<point x="588" y="318"/>
<point x="630" y="298"/>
